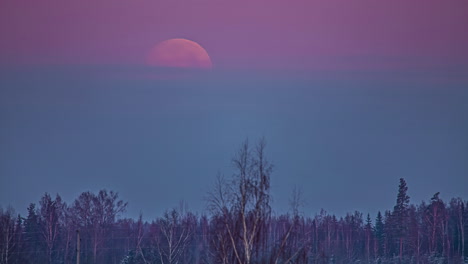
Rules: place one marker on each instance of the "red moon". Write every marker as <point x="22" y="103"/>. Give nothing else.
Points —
<point x="179" y="53"/>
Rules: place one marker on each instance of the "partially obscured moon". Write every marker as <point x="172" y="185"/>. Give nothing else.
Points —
<point x="179" y="53"/>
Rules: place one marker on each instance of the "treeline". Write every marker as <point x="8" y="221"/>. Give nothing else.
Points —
<point x="238" y="227"/>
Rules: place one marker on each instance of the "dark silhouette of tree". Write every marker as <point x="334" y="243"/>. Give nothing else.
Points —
<point x="95" y="217"/>
<point x="379" y="235"/>
<point x="368" y="231"/>
<point x="33" y="237"/>
<point x="457" y="224"/>
<point x="435" y="217"/>
<point x="67" y="236"/>
<point x="400" y="215"/>
<point x="414" y="232"/>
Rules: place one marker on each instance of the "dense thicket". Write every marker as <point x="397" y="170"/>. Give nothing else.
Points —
<point x="237" y="228"/>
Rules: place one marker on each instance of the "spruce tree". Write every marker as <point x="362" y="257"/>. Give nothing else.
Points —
<point x="379" y="234"/>
<point x="400" y="215"/>
<point x="368" y="230"/>
<point x="33" y="236"/>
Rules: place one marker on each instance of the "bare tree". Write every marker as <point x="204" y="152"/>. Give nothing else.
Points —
<point x="434" y="219"/>
<point x="96" y="214"/>
<point x="51" y="212"/>
<point x="82" y="211"/>
<point x="7" y="231"/>
<point x="290" y="242"/>
<point x="220" y="241"/>
<point x="106" y="207"/>
<point x="175" y="232"/>
<point x="69" y="229"/>
<point x="459" y="210"/>
<point x="245" y="204"/>
<point x="140" y="236"/>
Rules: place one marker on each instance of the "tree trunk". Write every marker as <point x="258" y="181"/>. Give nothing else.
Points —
<point x="401" y="248"/>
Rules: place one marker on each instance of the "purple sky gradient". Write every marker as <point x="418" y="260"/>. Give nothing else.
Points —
<point x="351" y="95"/>
<point x="299" y="34"/>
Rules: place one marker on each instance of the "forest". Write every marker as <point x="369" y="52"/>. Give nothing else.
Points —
<point x="238" y="227"/>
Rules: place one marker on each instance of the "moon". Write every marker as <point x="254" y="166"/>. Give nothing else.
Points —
<point x="179" y="53"/>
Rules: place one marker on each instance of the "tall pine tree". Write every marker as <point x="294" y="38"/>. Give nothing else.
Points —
<point x="379" y="234"/>
<point x="400" y="215"/>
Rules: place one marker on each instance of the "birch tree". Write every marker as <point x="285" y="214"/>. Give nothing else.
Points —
<point x="7" y="234"/>
<point x="244" y="203"/>
<point x="175" y="233"/>
<point x="50" y="213"/>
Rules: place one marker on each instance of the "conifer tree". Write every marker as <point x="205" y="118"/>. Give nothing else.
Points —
<point x="379" y="234"/>
<point x="33" y="236"/>
<point x="368" y="231"/>
<point x="400" y="215"/>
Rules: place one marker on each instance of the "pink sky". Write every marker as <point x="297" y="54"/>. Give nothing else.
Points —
<point x="306" y="34"/>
